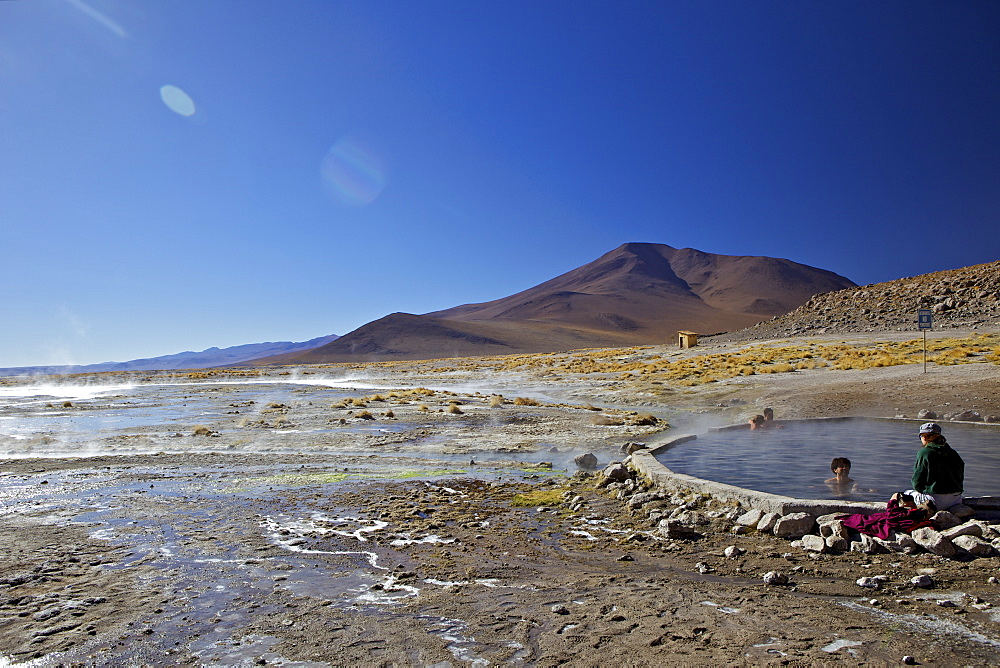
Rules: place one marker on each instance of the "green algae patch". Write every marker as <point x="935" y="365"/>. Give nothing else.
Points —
<point x="308" y="479"/>
<point x="538" y="497"/>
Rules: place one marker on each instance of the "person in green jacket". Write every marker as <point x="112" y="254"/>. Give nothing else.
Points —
<point x="938" y="472"/>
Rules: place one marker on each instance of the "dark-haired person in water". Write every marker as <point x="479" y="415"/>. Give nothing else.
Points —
<point x="841" y="482"/>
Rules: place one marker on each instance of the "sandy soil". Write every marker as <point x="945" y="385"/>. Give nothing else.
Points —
<point x="347" y="545"/>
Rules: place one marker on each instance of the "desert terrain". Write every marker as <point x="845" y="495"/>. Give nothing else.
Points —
<point x="434" y="515"/>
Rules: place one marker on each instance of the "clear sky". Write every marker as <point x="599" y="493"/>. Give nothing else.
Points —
<point x="180" y="174"/>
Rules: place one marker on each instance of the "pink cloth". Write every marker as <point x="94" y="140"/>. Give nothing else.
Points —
<point x="894" y="518"/>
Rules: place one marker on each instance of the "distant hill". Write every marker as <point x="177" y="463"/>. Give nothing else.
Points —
<point x="966" y="297"/>
<point x="638" y="293"/>
<point x="186" y="360"/>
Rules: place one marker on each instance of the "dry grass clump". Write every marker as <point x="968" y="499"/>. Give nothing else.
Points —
<point x="390" y="414"/>
<point x="496" y="401"/>
<point x="423" y="408"/>
<point x="364" y="415"/>
<point x="454" y="409"/>
<point x="201" y="430"/>
<point x="606" y="421"/>
<point x="525" y="401"/>
<point x="644" y="420"/>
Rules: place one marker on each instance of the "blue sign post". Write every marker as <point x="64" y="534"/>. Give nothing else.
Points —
<point x="925" y="320"/>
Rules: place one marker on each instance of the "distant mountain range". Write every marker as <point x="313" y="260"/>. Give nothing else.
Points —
<point x="639" y="293"/>
<point x="187" y="360"/>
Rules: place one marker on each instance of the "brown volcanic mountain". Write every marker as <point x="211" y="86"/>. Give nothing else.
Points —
<point x="638" y="293"/>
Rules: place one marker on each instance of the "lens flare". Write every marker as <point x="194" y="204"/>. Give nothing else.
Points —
<point x="177" y="100"/>
<point x="352" y="173"/>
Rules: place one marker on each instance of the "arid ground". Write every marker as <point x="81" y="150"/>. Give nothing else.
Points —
<point x="394" y="526"/>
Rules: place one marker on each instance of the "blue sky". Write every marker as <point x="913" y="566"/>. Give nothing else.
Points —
<point x="180" y="174"/>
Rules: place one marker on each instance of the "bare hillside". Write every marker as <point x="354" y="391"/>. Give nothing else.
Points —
<point x="958" y="298"/>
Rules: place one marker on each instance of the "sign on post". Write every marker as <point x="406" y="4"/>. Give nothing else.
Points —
<point x="925" y="320"/>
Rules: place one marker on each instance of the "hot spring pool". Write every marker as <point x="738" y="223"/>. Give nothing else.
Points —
<point x="795" y="460"/>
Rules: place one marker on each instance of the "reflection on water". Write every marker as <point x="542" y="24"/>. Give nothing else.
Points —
<point x="794" y="461"/>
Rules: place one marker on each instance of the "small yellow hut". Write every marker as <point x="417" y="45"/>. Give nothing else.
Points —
<point x="687" y="339"/>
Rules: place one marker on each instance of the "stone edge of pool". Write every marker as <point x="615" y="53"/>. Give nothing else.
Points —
<point x="645" y="463"/>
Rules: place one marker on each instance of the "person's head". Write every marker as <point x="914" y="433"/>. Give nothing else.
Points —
<point x="756" y="422"/>
<point x="930" y="432"/>
<point x="840" y="463"/>
<point x="768" y="414"/>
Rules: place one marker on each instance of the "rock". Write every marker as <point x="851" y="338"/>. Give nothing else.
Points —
<point x="838" y="544"/>
<point x="632" y="446"/>
<point x="909" y="660"/>
<point x="732" y="551"/>
<point x="47" y="613"/>
<point x="614" y="472"/>
<point x="750" y="518"/>
<point x="677" y="530"/>
<point x="812" y="543"/>
<point x="767" y="522"/>
<point x="933" y="542"/>
<point x="834" y="529"/>
<point x="945" y="520"/>
<point x="740" y="530"/>
<point x="968" y="416"/>
<point x="922" y="581"/>
<point x="775" y="578"/>
<point x="869" y="583"/>
<point x="587" y="461"/>
<point x="974" y="545"/>
<point x="967" y="529"/>
<point x="642" y="499"/>
<point x="560" y="609"/>
<point x="925" y="414"/>
<point x="868" y="545"/>
<point x="794" y="525"/>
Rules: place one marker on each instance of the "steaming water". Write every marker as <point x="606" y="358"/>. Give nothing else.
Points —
<point x="794" y="461"/>
<point x="63" y="418"/>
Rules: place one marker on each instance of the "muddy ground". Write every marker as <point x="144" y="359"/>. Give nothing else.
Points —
<point x="333" y="539"/>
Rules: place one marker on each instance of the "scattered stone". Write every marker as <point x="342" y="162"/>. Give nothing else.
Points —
<point x="587" y="461"/>
<point x="614" y="472"/>
<point x="625" y="557"/>
<point x="967" y="529"/>
<point x="909" y="660"/>
<point x="632" y="446"/>
<point x="944" y="519"/>
<point x="739" y="530"/>
<point x="642" y="498"/>
<point x="933" y="542"/>
<point x="967" y="416"/>
<point x="813" y="543"/>
<point x="871" y="582"/>
<point x="922" y="581"/>
<point x="676" y="530"/>
<point x="750" y="518"/>
<point x="794" y="525"/>
<point x="945" y="603"/>
<point x="733" y="551"/>
<point x="775" y="578"/>
<point x="837" y="544"/>
<point x="974" y="545"/>
<point x="925" y="414"/>
<point x="560" y="609"/>
<point x="767" y="522"/>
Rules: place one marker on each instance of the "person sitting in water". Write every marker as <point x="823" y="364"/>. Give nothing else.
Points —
<point x="756" y="422"/>
<point x="768" y="415"/>
<point x="841" y="482"/>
